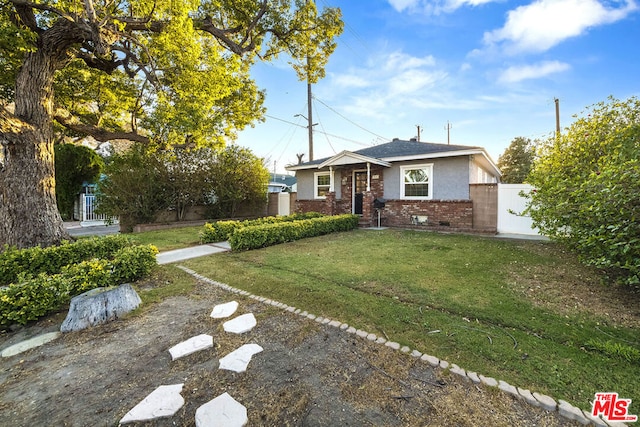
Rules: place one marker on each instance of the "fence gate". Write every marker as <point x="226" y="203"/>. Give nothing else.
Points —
<point x="284" y="203"/>
<point x="510" y="207"/>
<point x="89" y="216"/>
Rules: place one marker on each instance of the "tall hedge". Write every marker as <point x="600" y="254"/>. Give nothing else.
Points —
<point x="588" y="188"/>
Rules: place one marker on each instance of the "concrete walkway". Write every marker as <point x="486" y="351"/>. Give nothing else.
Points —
<point x="192" y="252"/>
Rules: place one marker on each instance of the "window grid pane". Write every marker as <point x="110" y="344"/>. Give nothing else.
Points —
<point x="416" y="190"/>
<point x="323" y="180"/>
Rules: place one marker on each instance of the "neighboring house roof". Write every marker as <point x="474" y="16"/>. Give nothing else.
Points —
<point x="278" y="179"/>
<point x="397" y="151"/>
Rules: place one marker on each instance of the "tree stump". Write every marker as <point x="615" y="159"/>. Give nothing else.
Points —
<point x="98" y="306"/>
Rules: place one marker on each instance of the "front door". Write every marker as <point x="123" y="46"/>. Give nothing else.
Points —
<point x="359" y="187"/>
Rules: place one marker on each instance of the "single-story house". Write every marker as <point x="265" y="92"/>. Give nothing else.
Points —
<point x="420" y="184"/>
<point x="281" y="183"/>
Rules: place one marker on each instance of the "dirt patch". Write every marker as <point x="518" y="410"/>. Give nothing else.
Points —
<point x="308" y="374"/>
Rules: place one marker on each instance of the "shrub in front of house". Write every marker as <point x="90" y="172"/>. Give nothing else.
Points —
<point x="260" y="236"/>
<point x="52" y="259"/>
<point x="219" y="231"/>
<point x="35" y="296"/>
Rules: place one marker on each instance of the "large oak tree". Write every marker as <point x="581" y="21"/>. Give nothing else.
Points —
<point x="162" y="72"/>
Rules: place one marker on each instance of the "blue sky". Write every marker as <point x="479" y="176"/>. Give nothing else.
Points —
<point x="489" y="68"/>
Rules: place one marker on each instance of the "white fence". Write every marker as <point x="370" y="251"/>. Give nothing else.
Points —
<point x="284" y="204"/>
<point x="510" y="207"/>
<point x="89" y="216"/>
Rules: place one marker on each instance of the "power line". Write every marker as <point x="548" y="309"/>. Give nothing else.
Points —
<point x="349" y="120"/>
<point x="324" y="133"/>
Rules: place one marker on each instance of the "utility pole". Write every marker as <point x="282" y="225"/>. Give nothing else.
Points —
<point x="448" y="128"/>
<point x="557" y="101"/>
<point x="309" y="109"/>
<point x="310" y="118"/>
<point x="419" y="129"/>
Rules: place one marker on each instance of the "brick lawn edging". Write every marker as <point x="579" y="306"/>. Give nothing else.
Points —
<point x="564" y="408"/>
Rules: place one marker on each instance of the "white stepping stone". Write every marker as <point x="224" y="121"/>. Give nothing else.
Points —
<point x="197" y="343"/>
<point x="162" y="402"/>
<point x="221" y="311"/>
<point x="223" y="411"/>
<point x="238" y="360"/>
<point x="240" y="324"/>
<point x="29" y="344"/>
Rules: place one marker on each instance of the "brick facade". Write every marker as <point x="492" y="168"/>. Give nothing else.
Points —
<point x="440" y="214"/>
<point x="455" y="214"/>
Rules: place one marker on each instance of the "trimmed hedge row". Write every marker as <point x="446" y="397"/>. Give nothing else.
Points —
<point x="52" y="259"/>
<point x="36" y="296"/>
<point x="219" y="231"/>
<point x="260" y="236"/>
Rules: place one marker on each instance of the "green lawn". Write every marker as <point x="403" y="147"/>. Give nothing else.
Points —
<point x="169" y="239"/>
<point x="513" y="310"/>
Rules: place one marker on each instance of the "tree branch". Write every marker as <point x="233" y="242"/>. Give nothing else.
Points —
<point x="24" y="6"/>
<point x="106" y="65"/>
<point x="70" y="122"/>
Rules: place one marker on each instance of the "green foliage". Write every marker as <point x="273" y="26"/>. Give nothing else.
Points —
<point x="74" y="165"/>
<point x="237" y="176"/>
<point x="516" y="161"/>
<point x="614" y="349"/>
<point x="50" y="260"/>
<point x="260" y="236"/>
<point x="36" y="296"/>
<point x="96" y="98"/>
<point x="219" y="231"/>
<point x="588" y="188"/>
<point x="187" y="178"/>
<point x="133" y="187"/>
<point x="182" y="69"/>
<point x="141" y="182"/>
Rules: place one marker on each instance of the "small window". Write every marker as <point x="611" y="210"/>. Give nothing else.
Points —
<point x="322" y="183"/>
<point x="416" y="182"/>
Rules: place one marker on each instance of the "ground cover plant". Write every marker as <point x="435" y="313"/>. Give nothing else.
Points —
<point x="43" y="280"/>
<point x="524" y="312"/>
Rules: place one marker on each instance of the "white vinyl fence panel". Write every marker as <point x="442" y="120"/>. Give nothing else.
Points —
<point x="89" y="216"/>
<point x="284" y="206"/>
<point x="511" y="205"/>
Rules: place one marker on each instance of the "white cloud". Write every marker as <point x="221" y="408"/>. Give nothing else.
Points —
<point x="386" y="80"/>
<point x="401" y="5"/>
<point x="536" y="71"/>
<point x="434" y="7"/>
<point x="543" y="24"/>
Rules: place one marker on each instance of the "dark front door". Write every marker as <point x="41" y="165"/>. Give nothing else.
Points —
<point x="359" y="187"/>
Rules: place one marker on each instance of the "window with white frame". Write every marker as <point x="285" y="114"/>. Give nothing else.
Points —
<point x="321" y="184"/>
<point x="416" y="182"/>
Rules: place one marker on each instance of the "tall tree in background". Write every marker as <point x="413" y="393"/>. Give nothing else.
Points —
<point x="588" y="188"/>
<point x="74" y="164"/>
<point x="516" y="161"/>
<point x="238" y="176"/>
<point x="148" y="71"/>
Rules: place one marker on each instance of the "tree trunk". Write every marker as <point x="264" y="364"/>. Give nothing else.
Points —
<point x="27" y="178"/>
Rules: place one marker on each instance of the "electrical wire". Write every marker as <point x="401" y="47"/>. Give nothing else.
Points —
<point x="349" y="120"/>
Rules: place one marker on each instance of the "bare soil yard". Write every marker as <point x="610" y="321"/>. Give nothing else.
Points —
<point x="308" y="374"/>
